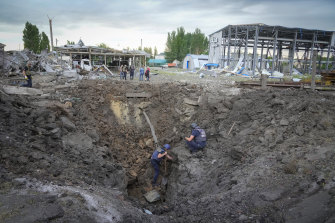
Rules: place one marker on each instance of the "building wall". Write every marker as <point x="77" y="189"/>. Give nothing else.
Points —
<point x="215" y="48"/>
<point x="194" y="62"/>
<point x="160" y="57"/>
<point x="191" y="63"/>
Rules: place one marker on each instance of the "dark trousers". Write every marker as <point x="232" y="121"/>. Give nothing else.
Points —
<point x="28" y="84"/>
<point x="155" y="164"/>
<point x="194" y="147"/>
<point x="125" y="75"/>
<point x="131" y="76"/>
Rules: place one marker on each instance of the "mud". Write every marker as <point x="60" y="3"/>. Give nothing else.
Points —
<point x="89" y="160"/>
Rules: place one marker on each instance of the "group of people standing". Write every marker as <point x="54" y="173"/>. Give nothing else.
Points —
<point x="124" y="69"/>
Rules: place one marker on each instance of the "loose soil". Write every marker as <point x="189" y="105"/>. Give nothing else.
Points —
<point x="81" y="152"/>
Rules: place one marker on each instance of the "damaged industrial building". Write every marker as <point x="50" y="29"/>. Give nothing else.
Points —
<point x="256" y="47"/>
<point x="101" y="56"/>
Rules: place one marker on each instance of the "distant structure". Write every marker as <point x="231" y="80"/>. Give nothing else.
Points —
<point x="192" y="61"/>
<point x="157" y="62"/>
<point x="277" y="48"/>
<point x="102" y="56"/>
<point x="160" y="56"/>
<point x="2" y="58"/>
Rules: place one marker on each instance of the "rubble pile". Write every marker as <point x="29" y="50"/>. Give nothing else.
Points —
<point x="15" y="61"/>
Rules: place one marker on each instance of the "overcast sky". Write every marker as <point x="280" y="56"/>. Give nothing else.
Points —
<point x="123" y="23"/>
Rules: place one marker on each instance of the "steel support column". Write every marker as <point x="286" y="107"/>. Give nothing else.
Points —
<point x="255" y="59"/>
<point x="223" y="61"/>
<point x="229" y="38"/>
<point x="246" y="49"/>
<point x="293" y="52"/>
<point x="261" y="62"/>
<point x="235" y="40"/>
<point x="320" y="65"/>
<point x="274" y="52"/>
<point x="311" y="59"/>
<point x="328" y="55"/>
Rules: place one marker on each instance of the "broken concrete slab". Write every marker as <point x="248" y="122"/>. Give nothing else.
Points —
<point x="190" y="102"/>
<point x="71" y="74"/>
<point x="21" y="90"/>
<point x="138" y="95"/>
<point x="67" y="123"/>
<point x="284" y="122"/>
<point x="152" y="196"/>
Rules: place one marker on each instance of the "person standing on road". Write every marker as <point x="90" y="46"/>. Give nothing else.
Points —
<point x="27" y="75"/>
<point x="147" y="74"/>
<point x="125" y="69"/>
<point x="156" y="159"/>
<point x="121" y="72"/>
<point x="197" y="140"/>
<point x="132" y="71"/>
<point x="141" y="73"/>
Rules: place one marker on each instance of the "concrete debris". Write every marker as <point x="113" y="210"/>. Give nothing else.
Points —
<point x="21" y="90"/>
<point x="44" y="63"/>
<point x="67" y="123"/>
<point x="152" y="196"/>
<point x="147" y="211"/>
<point x="138" y="95"/>
<point x="190" y="102"/>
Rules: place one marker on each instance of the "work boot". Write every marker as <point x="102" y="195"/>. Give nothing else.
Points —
<point x="154" y="184"/>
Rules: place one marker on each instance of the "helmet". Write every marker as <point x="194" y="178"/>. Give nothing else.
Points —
<point x="167" y="146"/>
<point x="194" y="125"/>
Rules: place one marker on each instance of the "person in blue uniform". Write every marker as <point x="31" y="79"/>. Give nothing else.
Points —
<point x="27" y="76"/>
<point x="156" y="159"/>
<point x="197" y="140"/>
<point x="141" y="73"/>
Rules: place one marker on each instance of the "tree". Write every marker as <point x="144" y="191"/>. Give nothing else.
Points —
<point x="199" y="42"/>
<point x="179" y="44"/>
<point x="155" y="52"/>
<point x="31" y="38"/>
<point x="103" y="45"/>
<point x="148" y="50"/>
<point x="69" y="42"/>
<point x="170" y="52"/>
<point x="44" y="43"/>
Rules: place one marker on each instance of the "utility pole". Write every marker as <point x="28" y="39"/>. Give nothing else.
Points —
<point x="314" y="57"/>
<point x="51" y="37"/>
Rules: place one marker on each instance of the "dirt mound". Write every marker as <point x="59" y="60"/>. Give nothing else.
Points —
<point x="276" y="159"/>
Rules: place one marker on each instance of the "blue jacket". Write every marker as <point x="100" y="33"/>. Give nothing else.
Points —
<point x="199" y="135"/>
<point x="155" y="155"/>
<point x="141" y="71"/>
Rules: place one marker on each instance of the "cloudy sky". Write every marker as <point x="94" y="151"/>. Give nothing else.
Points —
<point x="123" y="23"/>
